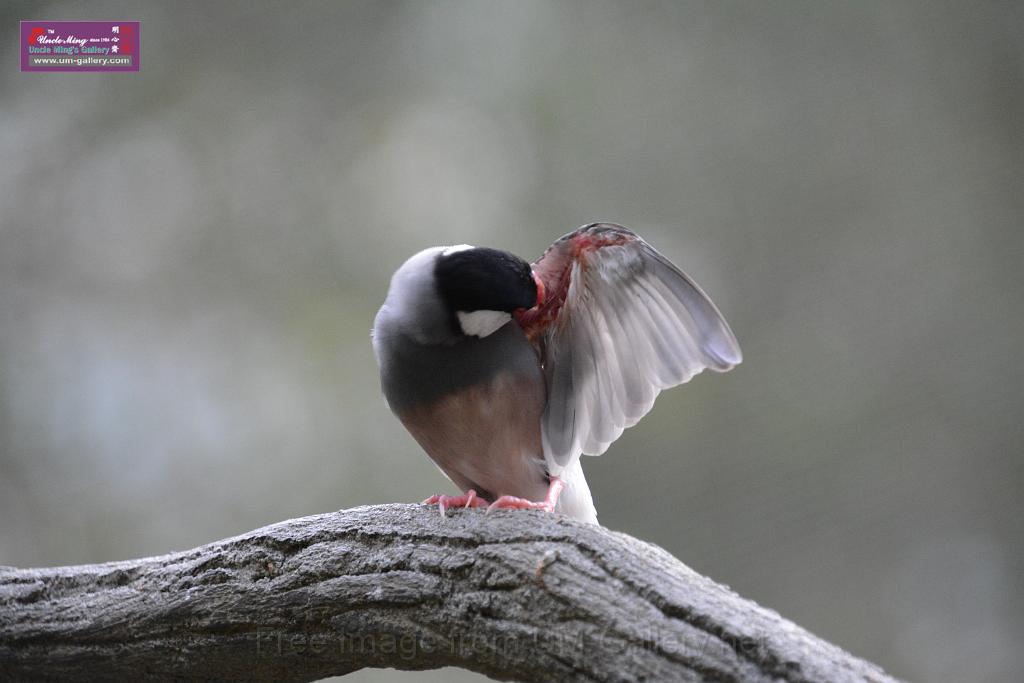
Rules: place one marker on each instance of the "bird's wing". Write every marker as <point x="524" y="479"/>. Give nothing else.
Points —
<point x="618" y="324"/>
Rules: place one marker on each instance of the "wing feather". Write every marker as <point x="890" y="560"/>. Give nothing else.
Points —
<point x="621" y="324"/>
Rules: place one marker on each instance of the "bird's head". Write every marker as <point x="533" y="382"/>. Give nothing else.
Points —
<point x="481" y="288"/>
<point x="444" y="294"/>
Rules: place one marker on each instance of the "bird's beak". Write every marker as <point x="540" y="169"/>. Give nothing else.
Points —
<point x="540" y="289"/>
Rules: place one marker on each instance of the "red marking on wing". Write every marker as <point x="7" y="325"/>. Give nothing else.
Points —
<point x="555" y="270"/>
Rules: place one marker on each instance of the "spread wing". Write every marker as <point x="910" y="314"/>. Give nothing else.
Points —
<point x="619" y="323"/>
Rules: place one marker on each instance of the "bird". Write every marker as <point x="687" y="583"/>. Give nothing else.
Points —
<point x="506" y="372"/>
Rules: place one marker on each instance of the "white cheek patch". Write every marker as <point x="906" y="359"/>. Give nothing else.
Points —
<point x="482" y="323"/>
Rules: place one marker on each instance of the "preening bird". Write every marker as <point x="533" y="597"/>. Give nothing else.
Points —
<point x="505" y="373"/>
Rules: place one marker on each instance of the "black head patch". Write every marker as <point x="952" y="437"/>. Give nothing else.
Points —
<point x="482" y="279"/>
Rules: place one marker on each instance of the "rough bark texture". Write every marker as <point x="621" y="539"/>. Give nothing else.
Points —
<point x="513" y="595"/>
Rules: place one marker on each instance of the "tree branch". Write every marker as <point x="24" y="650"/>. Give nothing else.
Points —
<point x="514" y="595"/>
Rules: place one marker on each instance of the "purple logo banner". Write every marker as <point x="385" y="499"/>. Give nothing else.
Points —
<point x="79" y="46"/>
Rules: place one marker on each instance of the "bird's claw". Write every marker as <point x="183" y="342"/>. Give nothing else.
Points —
<point x="516" y="503"/>
<point x="467" y="500"/>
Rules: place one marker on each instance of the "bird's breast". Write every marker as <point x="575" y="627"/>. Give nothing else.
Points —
<point x="486" y="436"/>
<point x="414" y="375"/>
<point x="475" y="407"/>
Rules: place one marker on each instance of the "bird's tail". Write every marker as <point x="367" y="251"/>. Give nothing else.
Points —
<point x="575" y="499"/>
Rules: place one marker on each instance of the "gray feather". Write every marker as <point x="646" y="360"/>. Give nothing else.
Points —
<point x="632" y="325"/>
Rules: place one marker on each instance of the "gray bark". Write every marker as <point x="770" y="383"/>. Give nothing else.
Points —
<point x="518" y="595"/>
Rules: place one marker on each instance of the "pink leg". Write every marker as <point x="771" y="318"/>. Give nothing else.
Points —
<point x="468" y="500"/>
<point x="515" y="503"/>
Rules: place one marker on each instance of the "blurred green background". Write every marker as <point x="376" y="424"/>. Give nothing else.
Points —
<point x="191" y="257"/>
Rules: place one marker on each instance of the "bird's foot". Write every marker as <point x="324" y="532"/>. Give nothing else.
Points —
<point x="467" y="500"/>
<point x="516" y="503"/>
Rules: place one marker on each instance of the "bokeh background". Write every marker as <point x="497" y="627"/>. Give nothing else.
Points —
<point x="191" y="257"/>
